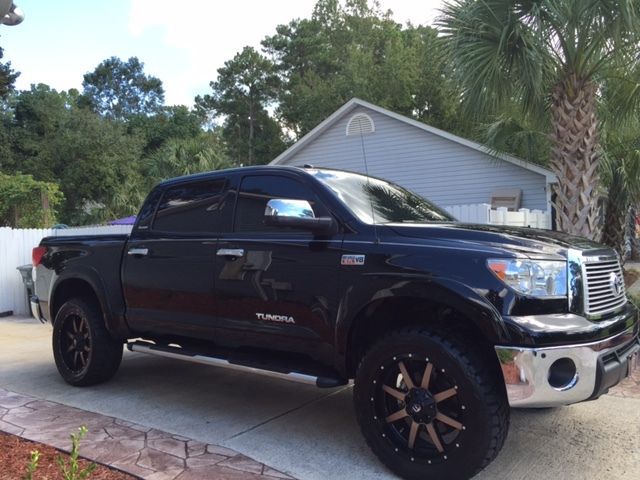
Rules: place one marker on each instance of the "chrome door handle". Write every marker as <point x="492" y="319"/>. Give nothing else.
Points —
<point x="230" y="252"/>
<point x="138" y="251"/>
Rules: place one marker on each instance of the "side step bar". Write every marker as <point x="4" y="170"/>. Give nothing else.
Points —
<point x="178" y="353"/>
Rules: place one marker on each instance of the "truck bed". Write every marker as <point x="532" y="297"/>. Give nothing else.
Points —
<point x="94" y="258"/>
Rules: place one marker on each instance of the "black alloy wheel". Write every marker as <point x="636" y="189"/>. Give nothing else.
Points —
<point x="419" y="406"/>
<point x="76" y="343"/>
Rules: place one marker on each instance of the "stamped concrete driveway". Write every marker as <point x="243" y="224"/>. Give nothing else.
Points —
<point x="306" y="432"/>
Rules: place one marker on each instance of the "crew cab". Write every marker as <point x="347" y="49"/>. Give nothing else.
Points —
<point x="324" y="276"/>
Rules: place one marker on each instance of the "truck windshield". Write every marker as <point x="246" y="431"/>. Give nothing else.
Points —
<point x="376" y="201"/>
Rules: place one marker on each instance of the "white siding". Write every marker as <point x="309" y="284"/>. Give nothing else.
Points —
<point x="439" y="169"/>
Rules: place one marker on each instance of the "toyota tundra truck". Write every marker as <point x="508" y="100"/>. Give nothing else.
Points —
<point x="325" y="277"/>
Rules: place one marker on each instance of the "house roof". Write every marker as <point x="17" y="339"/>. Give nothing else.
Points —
<point x="356" y="102"/>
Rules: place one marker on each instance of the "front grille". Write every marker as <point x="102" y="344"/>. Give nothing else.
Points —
<point x="604" y="286"/>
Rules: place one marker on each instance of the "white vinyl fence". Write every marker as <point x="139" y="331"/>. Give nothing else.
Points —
<point x="15" y="250"/>
<point x="483" y="213"/>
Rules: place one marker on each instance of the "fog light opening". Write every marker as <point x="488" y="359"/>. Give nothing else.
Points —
<point x="563" y="374"/>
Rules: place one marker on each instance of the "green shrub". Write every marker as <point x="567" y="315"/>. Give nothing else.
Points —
<point x="71" y="470"/>
<point x="33" y="465"/>
<point x="27" y="203"/>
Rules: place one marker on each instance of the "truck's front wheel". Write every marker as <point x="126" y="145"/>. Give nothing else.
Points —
<point x="84" y="352"/>
<point x="430" y="407"/>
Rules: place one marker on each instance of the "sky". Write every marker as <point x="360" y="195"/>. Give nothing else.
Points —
<point x="181" y="42"/>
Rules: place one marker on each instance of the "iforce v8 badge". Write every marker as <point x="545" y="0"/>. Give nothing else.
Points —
<point x="352" y="260"/>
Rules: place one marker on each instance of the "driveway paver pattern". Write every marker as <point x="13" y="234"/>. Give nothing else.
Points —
<point x="141" y="451"/>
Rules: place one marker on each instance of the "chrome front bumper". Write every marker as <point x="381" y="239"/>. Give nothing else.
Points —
<point x="585" y="371"/>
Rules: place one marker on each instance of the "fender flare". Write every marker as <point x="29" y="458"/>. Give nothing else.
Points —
<point x="457" y="295"/>
<point x="114" y="322"/>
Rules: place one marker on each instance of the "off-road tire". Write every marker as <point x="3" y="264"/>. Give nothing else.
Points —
<point x="103" y="353"/>
<point x="483" y="420"/>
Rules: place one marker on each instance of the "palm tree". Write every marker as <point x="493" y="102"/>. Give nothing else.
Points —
<point x="551" y="57"/>
<point x="177" y="157"/>
<point x="621" y="173"/>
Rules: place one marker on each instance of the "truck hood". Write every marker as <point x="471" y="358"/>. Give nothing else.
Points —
<point x="520" y="240"/>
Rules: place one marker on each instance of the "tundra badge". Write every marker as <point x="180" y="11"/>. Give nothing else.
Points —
<point x="275" y="318"/>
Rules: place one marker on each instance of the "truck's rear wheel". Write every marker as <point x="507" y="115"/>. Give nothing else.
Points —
<point x="84" y="352"/>
<point x="430" y="408"/>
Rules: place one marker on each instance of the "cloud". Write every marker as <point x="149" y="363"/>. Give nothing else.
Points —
<point x="208" y="33"/>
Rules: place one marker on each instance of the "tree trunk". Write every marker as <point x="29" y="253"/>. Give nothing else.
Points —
<point x="575" y="157"/>
<point x="46" y="209"/>
<point x="250" y="129"/>
<point x="631" y="237"/>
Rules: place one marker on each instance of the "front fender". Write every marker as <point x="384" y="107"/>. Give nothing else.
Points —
<point x="454" y="294"/>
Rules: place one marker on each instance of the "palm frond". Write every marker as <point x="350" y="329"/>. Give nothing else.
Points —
<point x="497" y="53"/>
<point x="514" y="135"/>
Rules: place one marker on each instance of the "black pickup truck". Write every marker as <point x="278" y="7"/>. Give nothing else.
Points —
<point x="322" y="276"/>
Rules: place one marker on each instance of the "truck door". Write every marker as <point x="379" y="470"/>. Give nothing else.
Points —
<point x="277" y="288"/>
<point x="168" y="275"/>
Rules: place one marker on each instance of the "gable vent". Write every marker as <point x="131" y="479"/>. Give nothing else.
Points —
<point x="360" y="123"/>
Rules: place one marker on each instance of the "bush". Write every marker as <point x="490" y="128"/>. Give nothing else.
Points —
<point x="28" y="203"/>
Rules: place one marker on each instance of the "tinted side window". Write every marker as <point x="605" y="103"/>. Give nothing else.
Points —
<point x="192" y="208"/>
<point x="256" y="191"/>
<point x="146" y="212"/>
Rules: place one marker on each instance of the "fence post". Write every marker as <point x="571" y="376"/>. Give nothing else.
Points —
<point x="502" y="215"/>
<point x="485" y="213"/>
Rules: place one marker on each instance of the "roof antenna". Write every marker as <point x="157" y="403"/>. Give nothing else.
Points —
<point x="366" y="171"/>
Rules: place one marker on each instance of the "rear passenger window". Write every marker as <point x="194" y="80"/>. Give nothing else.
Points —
<point x="192" y="208"/>
<point x="256" y="191"/>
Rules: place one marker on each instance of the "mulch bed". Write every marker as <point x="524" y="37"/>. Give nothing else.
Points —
<point x="15" y="453"/>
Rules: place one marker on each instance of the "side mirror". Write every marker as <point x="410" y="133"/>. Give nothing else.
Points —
<point x="281" y="212"/>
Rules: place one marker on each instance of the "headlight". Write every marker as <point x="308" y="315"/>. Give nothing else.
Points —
<point x="539" y="278"/>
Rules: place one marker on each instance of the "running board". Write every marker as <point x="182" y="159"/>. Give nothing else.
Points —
<point x="180" y="354"/>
